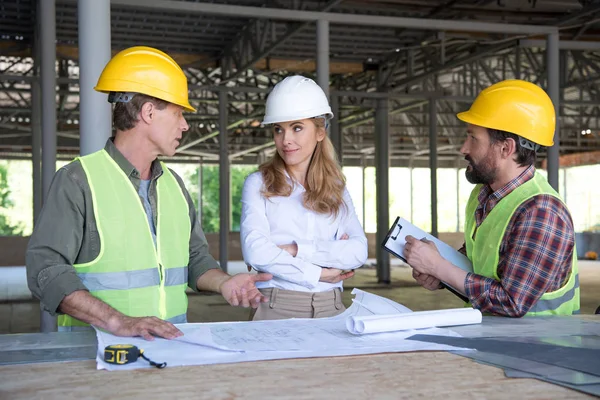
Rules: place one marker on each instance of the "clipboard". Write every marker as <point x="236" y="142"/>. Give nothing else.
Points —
<point x="395" y="240"/>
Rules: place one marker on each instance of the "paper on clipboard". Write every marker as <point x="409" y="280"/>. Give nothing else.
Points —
<point x="395" y="241"/>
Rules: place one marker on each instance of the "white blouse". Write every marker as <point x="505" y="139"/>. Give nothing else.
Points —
<point x="267" y="223"/>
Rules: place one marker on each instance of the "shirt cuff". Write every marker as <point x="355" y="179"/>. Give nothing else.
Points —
<point x="57" y="289"/>
<point x="312" y="275"/>
<point x="196" y="272"/>
<point x="306" y="249"/>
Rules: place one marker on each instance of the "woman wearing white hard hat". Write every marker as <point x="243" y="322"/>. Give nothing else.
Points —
<point x="298" y="221"/>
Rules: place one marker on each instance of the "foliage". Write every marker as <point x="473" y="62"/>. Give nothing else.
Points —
<point x="210" y="195"/>
<point x="6" y="228"/>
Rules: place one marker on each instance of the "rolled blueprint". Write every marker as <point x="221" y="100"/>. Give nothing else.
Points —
<point x="413" y="320"/>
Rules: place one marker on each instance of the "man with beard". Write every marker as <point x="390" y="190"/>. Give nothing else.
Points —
<point x="518" y="232"/>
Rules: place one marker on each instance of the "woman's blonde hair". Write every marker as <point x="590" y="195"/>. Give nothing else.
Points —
<point x="324" y="184"/>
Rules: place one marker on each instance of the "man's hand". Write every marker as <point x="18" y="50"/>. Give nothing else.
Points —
<point x="334" y="275"/>
<point x="146" y="327"/>
<point x="82" y="305"/>
<point x="427" y="281"/>
<point x="422" y="255"/>
<point x="241" y="290"/>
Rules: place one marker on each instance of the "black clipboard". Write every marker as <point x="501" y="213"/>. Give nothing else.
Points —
<point x="390" y="235"/>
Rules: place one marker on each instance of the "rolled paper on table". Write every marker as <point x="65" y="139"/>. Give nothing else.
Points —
<point x="413" y="320"/>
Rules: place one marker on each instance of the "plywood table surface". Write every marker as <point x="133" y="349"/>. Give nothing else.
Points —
<point x="382" y="376"/>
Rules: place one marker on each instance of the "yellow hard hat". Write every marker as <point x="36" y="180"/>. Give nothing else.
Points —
<point x="148" y="71"/>
<point x="517" y="107"/>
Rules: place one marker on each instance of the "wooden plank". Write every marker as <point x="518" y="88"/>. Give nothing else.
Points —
<point x="398" y="376"/>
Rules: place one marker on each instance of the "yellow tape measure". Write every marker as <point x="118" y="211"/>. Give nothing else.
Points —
<point x="121" y="354"/>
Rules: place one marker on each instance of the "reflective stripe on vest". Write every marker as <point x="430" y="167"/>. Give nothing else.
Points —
<point x="484" y="250"/>
<point x="133" y="279"/>
<point x="130" y="273"/>
<point x="543" y="305"/>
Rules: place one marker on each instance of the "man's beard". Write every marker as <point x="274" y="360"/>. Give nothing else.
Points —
<point x="484" y="172"/>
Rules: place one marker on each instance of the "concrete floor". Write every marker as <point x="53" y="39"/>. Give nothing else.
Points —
<point x="23" y="316"/>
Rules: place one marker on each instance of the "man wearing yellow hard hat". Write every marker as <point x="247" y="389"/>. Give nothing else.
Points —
<point x="118" y="241"/>
<point x="518" y="232"/>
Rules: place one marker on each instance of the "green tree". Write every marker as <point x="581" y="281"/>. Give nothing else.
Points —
<point x="210" y="195"/>
<point x="6" y="229"/>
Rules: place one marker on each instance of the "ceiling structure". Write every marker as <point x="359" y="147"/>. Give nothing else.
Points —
<point x="248" y="56"/>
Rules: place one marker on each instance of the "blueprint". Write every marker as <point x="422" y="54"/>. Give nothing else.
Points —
<point x="230" y="342"/>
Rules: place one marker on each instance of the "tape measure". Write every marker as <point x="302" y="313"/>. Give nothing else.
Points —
<point x="121" y="354"/>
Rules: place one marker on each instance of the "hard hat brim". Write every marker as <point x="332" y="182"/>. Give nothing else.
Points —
<point x="277" y="119"/>
<point x="471" y="118"/>
<point x="150" y="92"/>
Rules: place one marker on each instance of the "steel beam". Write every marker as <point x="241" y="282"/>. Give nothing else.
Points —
<point x="254" y="45"/>
<point x="200" y="190"/>
<point x="36" y="126"/>
<point x="382" y="165"/>
<point x="252" y="150"/>
<point x="336" y="18"/>
<point x="455" y="63"/>
<point x="47" y="15"/>
<point x="224" y="182"/>
<point x="563" y="45"/>
<point x="323" y="55"/>
<point x="433" y="164"/>
<point x="553" y="71"/>
<point x="335" y="131"/>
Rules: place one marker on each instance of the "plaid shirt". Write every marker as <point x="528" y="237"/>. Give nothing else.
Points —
<point x="535" y="253"/>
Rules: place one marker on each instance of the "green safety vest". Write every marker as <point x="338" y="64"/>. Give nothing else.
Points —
<point x="484" y="250"/>
<point x="130" y="273"/>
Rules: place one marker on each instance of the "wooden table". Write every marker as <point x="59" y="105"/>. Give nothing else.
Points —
<point x="393" y="376"/>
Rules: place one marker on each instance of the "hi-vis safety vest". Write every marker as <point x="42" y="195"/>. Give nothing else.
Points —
<point x="131" y="274"/>
<point x="484" y="251"/>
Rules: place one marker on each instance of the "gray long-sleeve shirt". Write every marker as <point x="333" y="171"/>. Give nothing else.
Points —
<point x="66" y="232"/>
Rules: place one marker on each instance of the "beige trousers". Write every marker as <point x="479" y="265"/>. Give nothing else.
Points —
<point x="285" y="304"/>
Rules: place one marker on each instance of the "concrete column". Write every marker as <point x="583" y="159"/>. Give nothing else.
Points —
<point x="382" y="165"/>
<point x="323" y="55"/>
<point x="433" y="164"/>
<point x="94" y="53"/>
<point x="224" y="181"/>
<point x="553" y="69"/>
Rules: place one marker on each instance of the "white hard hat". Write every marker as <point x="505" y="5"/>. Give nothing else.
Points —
<point x="294" y="98"/>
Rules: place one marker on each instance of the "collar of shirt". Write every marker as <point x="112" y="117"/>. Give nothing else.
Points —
<point x="295" y="184"/>
<point x="488" y="199"/>
<point x="126" y="166"/>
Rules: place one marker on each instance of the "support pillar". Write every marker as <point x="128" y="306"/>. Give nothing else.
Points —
<point x="94" y="53"/>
